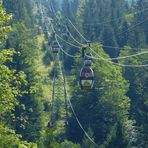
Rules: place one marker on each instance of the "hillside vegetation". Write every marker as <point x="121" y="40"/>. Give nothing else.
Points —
<point x="41" y="102"/>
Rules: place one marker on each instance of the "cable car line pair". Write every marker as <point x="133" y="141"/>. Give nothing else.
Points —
<point x="118" y="64"/>
<point x="85" y="132"/>
<point x="118" y="58"/>
<point x="111" y="47"/>
<point x="67" y="19"/>
<point x="80" y="123"/>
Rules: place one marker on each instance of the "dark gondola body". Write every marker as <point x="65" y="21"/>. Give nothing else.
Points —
<point x="86" y="78"/>
<point x="65" y="33"/>
<point x="55" y="47"/>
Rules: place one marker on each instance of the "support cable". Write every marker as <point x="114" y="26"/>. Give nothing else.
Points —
<point x="77" y="30"/>
<point x="118" y="64"/>
<point x="67" y="42"/>
<point x="81" y="44"/>
<point x="123" y="57"/>
<point x="111" y="20"/>
<point x="72" y="56"/>
<point x="100" y="23"/>
<point x="141" y="53"/>
<point x="100" y="58"/>
<point x="74" y="38"/>
<point x="70" y="101"/>
<point x="130" y="29"/>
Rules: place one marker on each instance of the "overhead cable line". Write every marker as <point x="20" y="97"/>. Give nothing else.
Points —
<point x="100" y="23"/>
<point x="86" y="134"/>
<point x="110" y="20"/>
<point x="101" y="58"/>
<point x="139" y="23"/>
<point x="100" y="45"/>
<point x="129" y="56"/>
<point x="77" y="30"/>
<point x="72" y="56"/>
<point x="117" y="47"/>
<point x="129" y="29"/>
<point x="71" y="106"/>
<point x="123" y="57"/>
<point x="122" y="47"/>
<point x="105" y="22"/>
<point x="105" y="40"/>
<point x="118" y="64"/>
<point x="67" y="42"/>
<point x="81" y="44"/>
<point x="74" y="38"/>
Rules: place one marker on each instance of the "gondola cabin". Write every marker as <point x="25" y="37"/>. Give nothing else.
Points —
<point x="46" y="32"/>
<point x="65" y="33"/>
<point x="86" y="78"/>
<point x="88" y="59"/>
<point x="55" y="47"/>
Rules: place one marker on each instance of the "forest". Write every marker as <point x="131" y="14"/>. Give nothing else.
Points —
<point x="73" y="74"/>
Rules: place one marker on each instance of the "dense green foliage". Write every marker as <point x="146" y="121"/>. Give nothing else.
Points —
<point x="114" y="113"/>
<point x="11" y="83"/>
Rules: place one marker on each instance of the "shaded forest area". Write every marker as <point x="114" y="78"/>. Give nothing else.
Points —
<point x="114" y="114"/>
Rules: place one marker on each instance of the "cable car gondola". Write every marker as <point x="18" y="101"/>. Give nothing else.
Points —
<point x="46" y="32"/>
<point x="55" y="47"/>
<point x="88" y="59"/>
<point x="86" y="78"/>
<point x="64" y="31"/>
